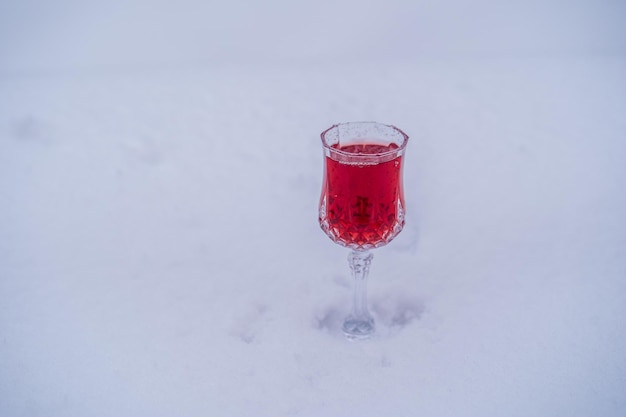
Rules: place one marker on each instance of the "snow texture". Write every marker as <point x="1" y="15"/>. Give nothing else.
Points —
<point x="159" y="247"/>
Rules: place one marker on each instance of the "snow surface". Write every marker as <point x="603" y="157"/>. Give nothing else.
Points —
<point x="159" y="247"/>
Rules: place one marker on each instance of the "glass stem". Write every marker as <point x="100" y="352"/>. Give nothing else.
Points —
<point x="360" y="264"/>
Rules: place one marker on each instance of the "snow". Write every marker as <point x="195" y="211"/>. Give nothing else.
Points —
<point x="159" y="247"/>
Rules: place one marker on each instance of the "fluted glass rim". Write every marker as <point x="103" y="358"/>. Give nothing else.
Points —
<point x="355" y="156"/>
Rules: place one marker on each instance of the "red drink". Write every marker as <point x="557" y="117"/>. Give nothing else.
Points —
<point x="362" y="205"/>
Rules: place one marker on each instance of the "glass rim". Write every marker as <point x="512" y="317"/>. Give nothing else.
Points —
<point x="400" y="148"/>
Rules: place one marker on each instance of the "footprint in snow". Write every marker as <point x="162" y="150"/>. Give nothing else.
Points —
<point x="31" y="129"/>
<point x="397" y="312"/>
<point x="144" y="150"/>
<point x="248" y="326"/>
<point x="391" y="313"/>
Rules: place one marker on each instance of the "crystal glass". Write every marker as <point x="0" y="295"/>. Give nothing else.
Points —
<point x="362" y="202"/>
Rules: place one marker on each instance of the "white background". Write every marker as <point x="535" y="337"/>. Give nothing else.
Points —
<point x="160" y="169"/>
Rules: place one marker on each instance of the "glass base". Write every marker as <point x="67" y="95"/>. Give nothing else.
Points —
<point x="358" y="328"/>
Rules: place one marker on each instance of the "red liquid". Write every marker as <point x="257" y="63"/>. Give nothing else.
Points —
<point x="362" y="206"/>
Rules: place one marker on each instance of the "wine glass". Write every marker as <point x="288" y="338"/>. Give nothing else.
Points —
<point x="362" y="202"/>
